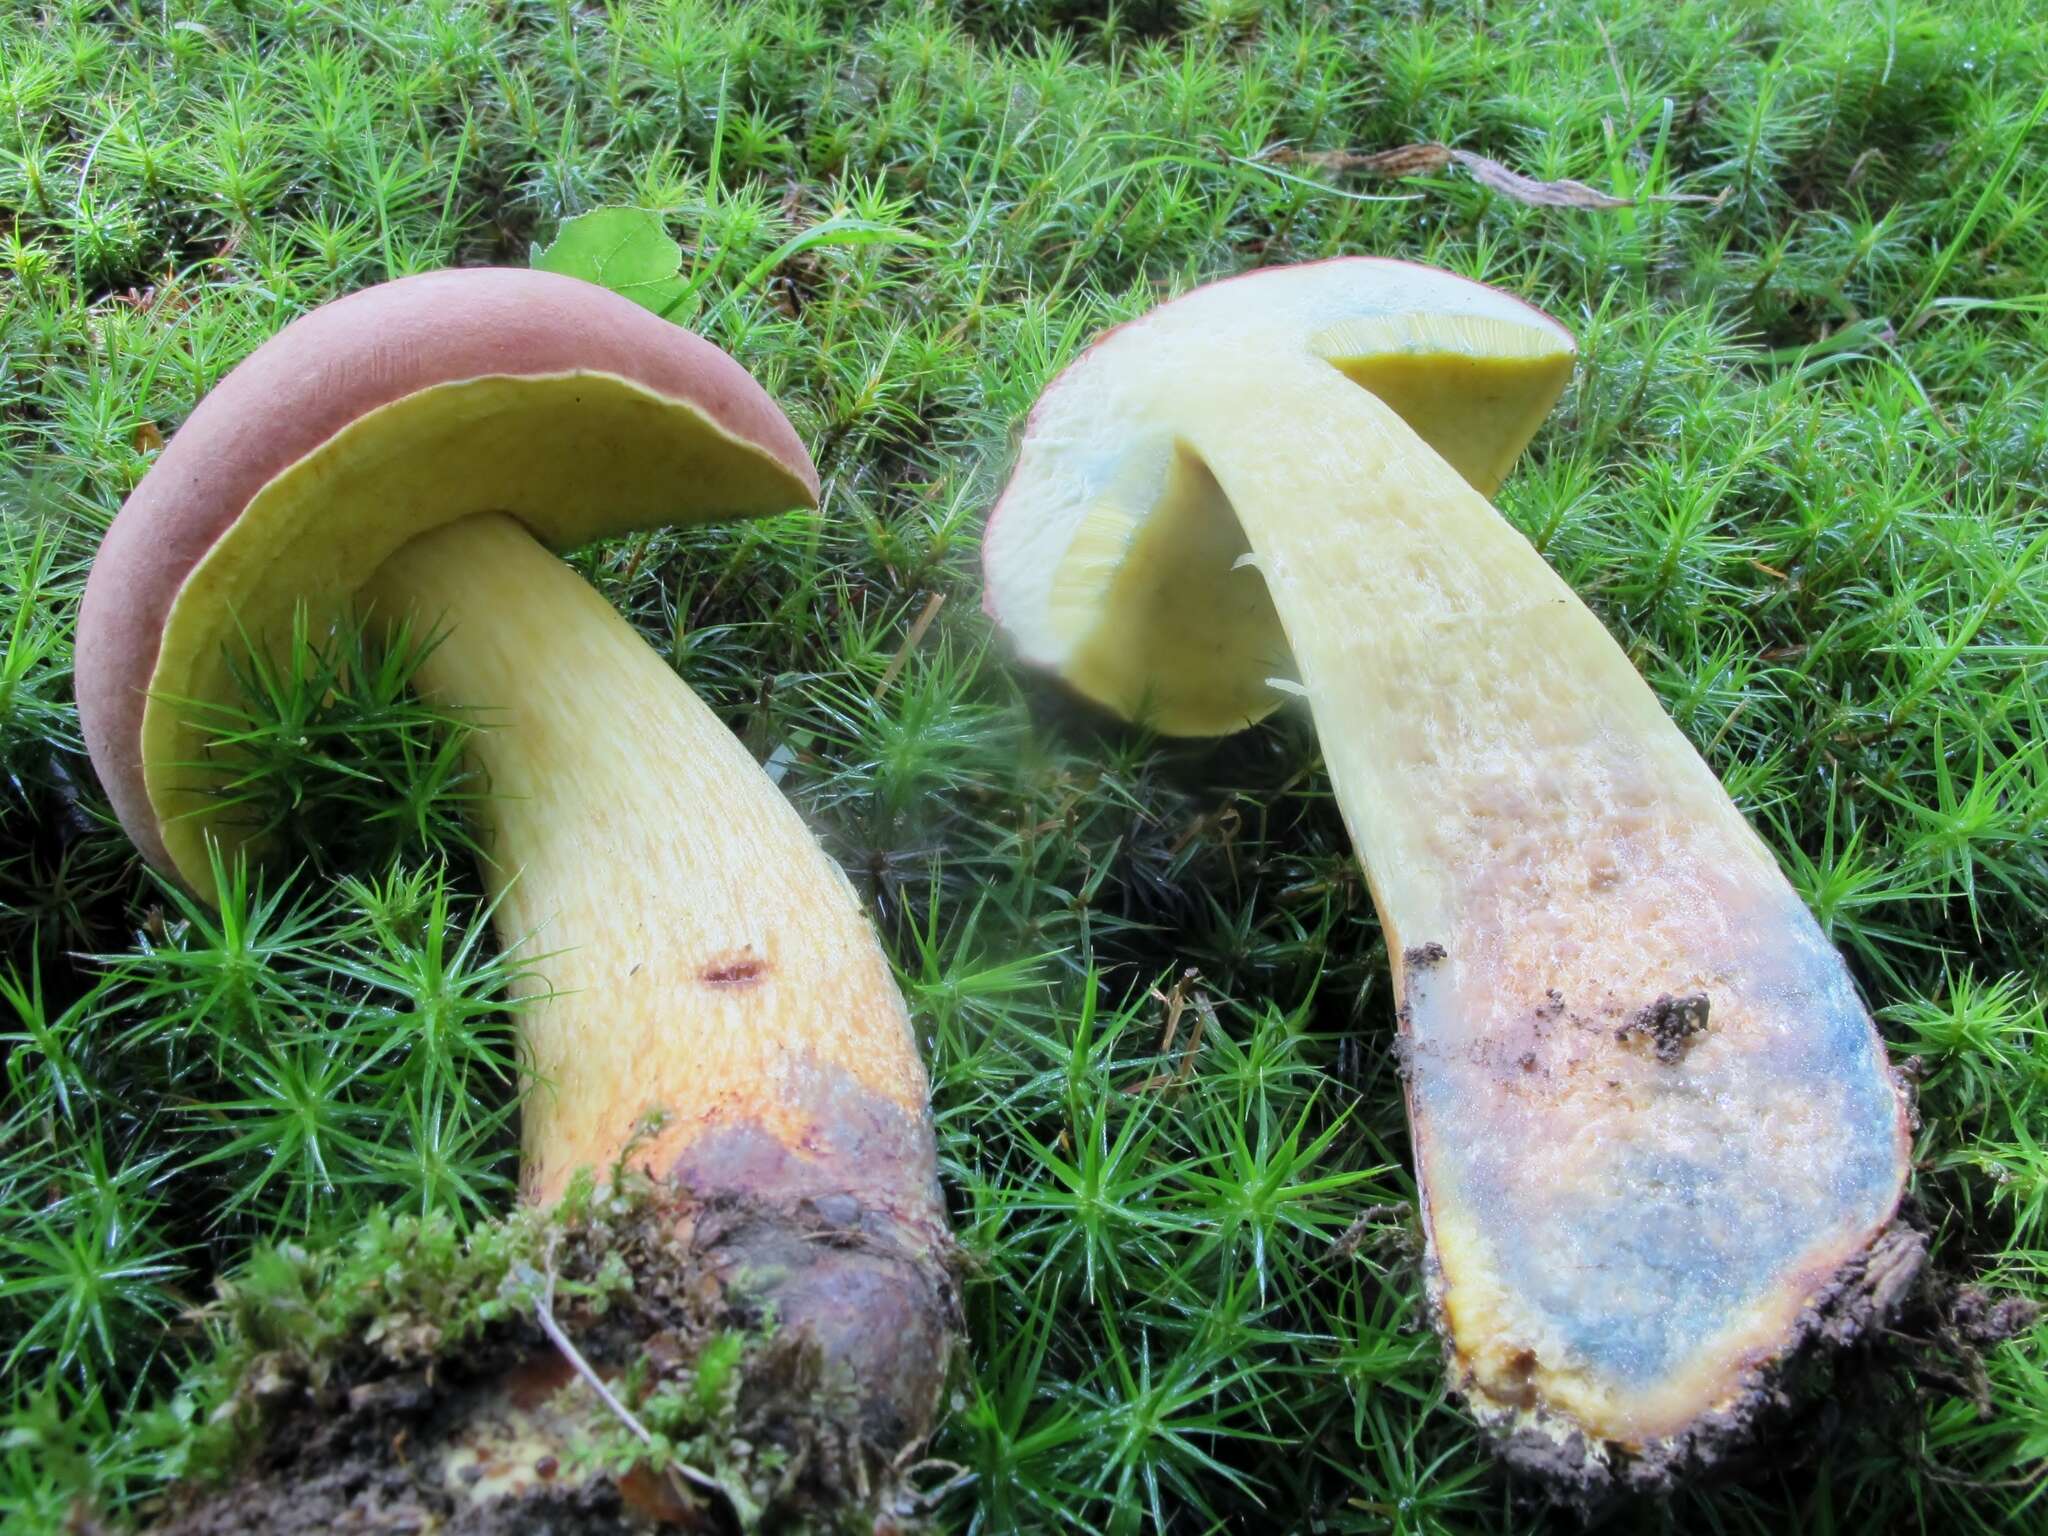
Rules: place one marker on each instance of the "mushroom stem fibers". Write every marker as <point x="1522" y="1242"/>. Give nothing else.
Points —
<point x="701" y="954"/>
<point x="697" y="954"/>
<point x="1652" y="1119"/>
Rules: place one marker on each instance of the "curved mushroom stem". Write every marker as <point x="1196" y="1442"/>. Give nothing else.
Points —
<point x="1653" y="1122"/>
<point x="700" y="956"/>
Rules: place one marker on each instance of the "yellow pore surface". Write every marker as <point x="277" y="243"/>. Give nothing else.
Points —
<point x="702" y="955"/>
<point x="575" y="457"/>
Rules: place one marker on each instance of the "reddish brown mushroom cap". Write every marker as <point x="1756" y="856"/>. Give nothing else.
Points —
<point x="358" y="427"/>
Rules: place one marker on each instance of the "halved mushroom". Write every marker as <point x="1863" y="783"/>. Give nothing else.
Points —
<point x="422" y="443"/>
<point x="1654" y="1126"/>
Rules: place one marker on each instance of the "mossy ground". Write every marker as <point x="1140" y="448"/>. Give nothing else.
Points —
<point x="1800" y="473"/>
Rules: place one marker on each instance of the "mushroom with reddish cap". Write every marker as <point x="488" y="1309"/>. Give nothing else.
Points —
<point x="424" y="443"/>
<point x="1655" y="1132"/>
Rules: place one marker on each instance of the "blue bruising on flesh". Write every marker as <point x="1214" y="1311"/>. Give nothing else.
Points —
<point x="1635" y="1263"/>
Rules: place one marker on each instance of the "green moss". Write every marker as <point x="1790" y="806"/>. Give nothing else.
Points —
<point x="403" y="1293"/>
<point x="1799" y="474"/>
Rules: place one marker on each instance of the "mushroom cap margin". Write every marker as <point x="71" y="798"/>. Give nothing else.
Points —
<point x="326" y="371"/>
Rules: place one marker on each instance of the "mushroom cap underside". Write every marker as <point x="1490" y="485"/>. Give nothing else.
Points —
<point x="1113" y="558"/>
<point x="359" y="426"/>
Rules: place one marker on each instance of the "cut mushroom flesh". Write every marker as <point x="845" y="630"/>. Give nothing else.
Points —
<point x="1653" y="1122"/>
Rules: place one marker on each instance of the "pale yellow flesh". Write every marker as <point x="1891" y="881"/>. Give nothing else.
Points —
<point x="1154" y="577"/>
<point x="1619" y="1240"/>
<point x="1155" y="601"/>
<point x="703" y="955"/>
<point x="566" y="454"/>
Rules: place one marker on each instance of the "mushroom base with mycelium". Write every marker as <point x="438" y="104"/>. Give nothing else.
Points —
<point x="704" y="960"/>
<point x="1654" y="1127"/>
<point x="578" y="1371"/>
<point x="716" y="1016"/>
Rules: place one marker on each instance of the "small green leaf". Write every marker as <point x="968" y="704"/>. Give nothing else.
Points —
<point x="624" y="249"/>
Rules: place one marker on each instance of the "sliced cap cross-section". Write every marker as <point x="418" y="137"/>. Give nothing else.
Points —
<point x="1113" y="558"/>
<point x="1658" y="1142"/>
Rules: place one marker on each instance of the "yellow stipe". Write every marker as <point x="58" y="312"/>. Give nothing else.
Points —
<point x="703" y="955"/>
<point x="1620" y="1234"/>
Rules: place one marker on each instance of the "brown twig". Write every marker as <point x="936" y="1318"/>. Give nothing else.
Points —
<point x="910" y="642"/>
<point x="1431" y="159"/>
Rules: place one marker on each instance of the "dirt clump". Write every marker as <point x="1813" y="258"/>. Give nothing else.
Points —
<point x="467" y="1407"/>
<point x="1842" y="1333"/>
<point x="1421" y="957"/>
<point x="1984" y="1319"/>
<point x="1671" y="1025"/>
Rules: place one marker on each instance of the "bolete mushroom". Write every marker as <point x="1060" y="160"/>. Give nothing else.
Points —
<point x="422" y="445"/>
<point x="1656" y="1136"/>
